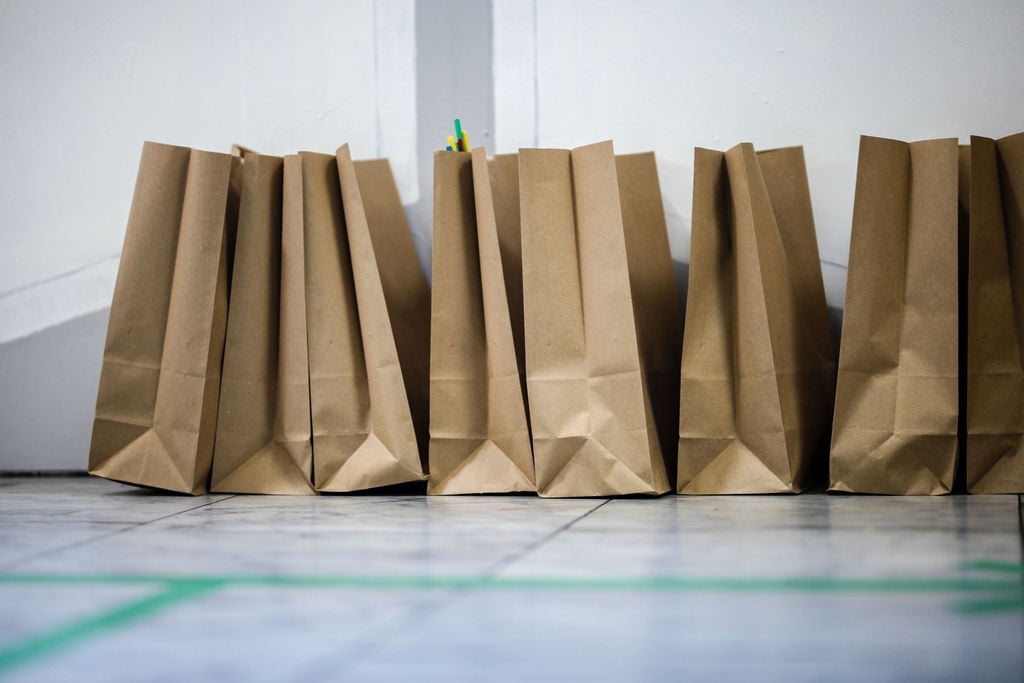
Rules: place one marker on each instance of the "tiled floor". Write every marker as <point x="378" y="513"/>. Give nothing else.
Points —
<point x="102" y="582"/>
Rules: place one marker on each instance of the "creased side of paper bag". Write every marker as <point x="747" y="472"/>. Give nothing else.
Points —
<point x="756" y="386"/>
<point x="479" y="439"/>
<point x="657" y="309"/>
<point x="263" y="431"/>
<point x="995" y="313"/>
<point x="363" y="431"/>
<point x="156" y="409"/>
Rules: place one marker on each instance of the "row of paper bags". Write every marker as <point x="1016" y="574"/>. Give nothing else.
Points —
<point x="272" y="330"/>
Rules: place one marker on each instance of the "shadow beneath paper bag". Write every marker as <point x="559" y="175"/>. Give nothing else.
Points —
<point x="411" y="488"/>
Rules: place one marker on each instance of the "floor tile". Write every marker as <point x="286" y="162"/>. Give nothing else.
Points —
<point x="657" y="636"/>
<point x="88" y="499"/>
<point x="236" y="634"/>
<point x="102" y="582"/>
<point x="327" y="535"/>
<point x="782" y="536"/>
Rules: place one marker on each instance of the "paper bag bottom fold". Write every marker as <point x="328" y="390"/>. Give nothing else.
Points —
<point x="482" y="465"/>
<point x="357" y="462"/>
<point x="868" y="461"/>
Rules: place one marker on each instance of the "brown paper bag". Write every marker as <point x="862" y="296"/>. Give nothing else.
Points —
<point x="263" y="431"/>
<point x="479" y="439"/>
<point x="995" y="314"/>
<point x="757" y="364"/>
<point x="895" y="423"/>
<point x="364" y="435"/>
<point x="156" y="409"/>
<point x="656" y="306"/>
<point x="401" y="276"/>
<point x="596" y="276"/>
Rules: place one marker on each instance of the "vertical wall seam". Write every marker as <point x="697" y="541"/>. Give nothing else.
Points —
<point x="243" y="118"/>
<point x="376" y="77"/>
<point x="536" y="81"/>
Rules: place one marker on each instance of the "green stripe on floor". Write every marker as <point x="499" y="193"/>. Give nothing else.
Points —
<point x="801" y="584"/>
<point x="62" y="637"/>
<point x="996" y="566"/>
<point x="989" y="595"/>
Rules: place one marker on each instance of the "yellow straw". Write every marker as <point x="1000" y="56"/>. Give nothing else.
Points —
<point x="465" y="142"/>
<point x="451" y="141"/>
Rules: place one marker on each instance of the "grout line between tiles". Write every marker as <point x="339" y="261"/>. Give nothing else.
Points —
<point x="106" y="535"/>
<point x="506" y="562"/>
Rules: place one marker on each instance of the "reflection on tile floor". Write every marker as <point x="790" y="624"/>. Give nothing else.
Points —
<point x="102" y="582"/>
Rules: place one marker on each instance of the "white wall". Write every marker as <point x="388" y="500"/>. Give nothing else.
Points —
<point x="668" y="76"/>
<point x="84" y="82"/>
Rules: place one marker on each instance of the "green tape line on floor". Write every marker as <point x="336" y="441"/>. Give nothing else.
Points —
<point x="60" y="638"/>
<point x="808" y="584"/>
<point x="994" y="594"/>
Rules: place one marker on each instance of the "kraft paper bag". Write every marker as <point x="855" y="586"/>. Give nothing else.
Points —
<point x="479" y="439"/>
<point x="364" y="434"/>
<point x="376" y="205"/>
<point x="994" y="176"/>
<point x="156" y="409"/>
<point x="758" y="368"/>
<point x="263" y="440"/>
<point x="656" y="306"/>
<point x="602" y="321"/>
<point x="895" y="424"/>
